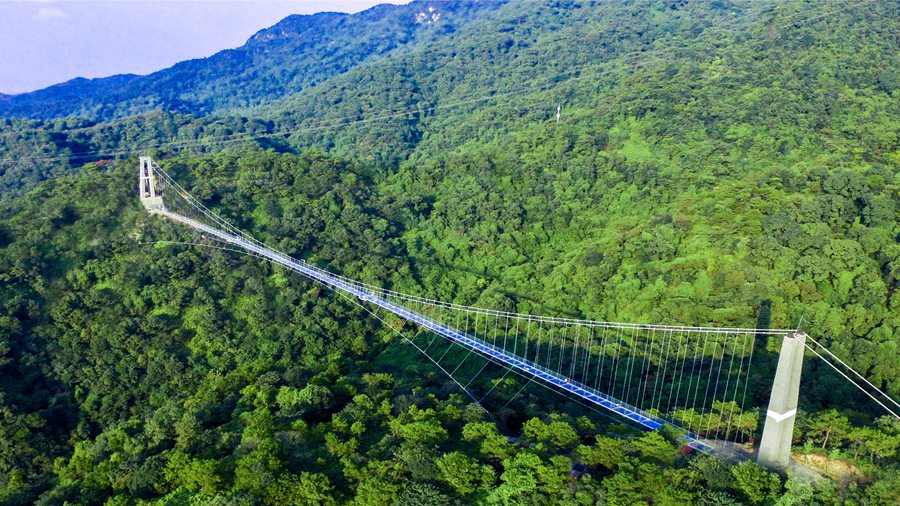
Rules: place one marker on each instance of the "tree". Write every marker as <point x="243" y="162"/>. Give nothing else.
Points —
<point x="423" y="494"/>
<point x="886" y="488"/>
<point x="717" y="498"/>
<point x="754" y="483"/>
<point x="493" y="444"/>
<point x="463" y="474"/>
<point x="651" y="445"/>
<point x="307" y="489"/>
<point x="558" y="434"/>
<point x="424" y="433"/>
<point x="377" y="492"/>
<point x="258" y="471"/>
<point x="195" y="475"/>
<point x="607" y="452"/>
<point x="310" y="398"/>
<point x="882" y="446"/>
<point x="527" y="479"/>
<point x="828" y="425"/>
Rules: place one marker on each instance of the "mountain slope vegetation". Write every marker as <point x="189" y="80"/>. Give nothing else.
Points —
<point x="297" y="53"/>
<point x="716" y="163"/>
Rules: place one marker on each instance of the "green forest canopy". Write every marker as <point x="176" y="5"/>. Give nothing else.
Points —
<point x="744" y="174"/>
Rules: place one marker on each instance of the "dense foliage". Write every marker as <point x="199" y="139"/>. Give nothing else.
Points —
<point x="742" y="172"/>
<point x="297" y="53"/>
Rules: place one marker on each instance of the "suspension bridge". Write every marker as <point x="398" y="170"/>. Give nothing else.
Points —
<point x="692" y="380"/>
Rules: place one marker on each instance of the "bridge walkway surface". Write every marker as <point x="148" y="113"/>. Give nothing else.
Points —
<point x="498" y="355"/>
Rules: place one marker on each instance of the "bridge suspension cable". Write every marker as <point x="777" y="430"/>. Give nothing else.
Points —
<point x="882" y="396"/>
<point x="651" y="375"/>
<point x="689" y="378"/>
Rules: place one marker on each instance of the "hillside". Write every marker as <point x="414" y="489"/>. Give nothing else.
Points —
<point x="724" y="163"/>
<point x="298" y="53"/>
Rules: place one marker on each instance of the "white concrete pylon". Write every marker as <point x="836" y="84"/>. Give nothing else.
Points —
<point x="148" y="186"/>
<point x="775" y="447"/>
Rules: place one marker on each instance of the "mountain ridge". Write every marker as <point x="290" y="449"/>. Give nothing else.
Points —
<point x="296" y="53"/>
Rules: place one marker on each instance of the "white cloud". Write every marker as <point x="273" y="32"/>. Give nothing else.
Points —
<point x="51" y="13"/>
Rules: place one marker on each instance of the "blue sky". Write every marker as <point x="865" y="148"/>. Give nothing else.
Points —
<point x="47" y="42"/>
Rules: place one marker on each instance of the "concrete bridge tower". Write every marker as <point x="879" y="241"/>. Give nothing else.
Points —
<point x="775" y="448"/>
<point x="149" y="186"/>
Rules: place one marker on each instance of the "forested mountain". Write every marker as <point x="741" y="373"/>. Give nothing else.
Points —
<point x="716" y="163"/>
<point x="297" y="53"/>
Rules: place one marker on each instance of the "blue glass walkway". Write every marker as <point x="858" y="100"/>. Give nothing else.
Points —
<point x="490" y="351"/>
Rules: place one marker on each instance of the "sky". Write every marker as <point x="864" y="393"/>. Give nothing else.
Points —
<point x="44" y="42"/>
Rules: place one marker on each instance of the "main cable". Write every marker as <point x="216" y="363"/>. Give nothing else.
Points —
<point x="861" y="389"/>
<point x="854" y="371"/>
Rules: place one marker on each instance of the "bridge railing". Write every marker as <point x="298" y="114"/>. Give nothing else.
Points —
<point x="554" y="377"/>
